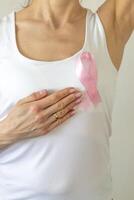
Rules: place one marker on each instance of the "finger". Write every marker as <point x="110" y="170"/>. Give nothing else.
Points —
<point x="47" y="128"/>
<point x="55" y="97"/>
<point x="48" y="121"/>
<point x="60" y="114"/>
<point x="60" y="121"/>
<point x="34" y="96"/>
<point x="50" y="125"/>
<point x="62" y="106"/>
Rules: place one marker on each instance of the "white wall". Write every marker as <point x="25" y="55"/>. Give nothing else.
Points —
<point x="122" y="141"/>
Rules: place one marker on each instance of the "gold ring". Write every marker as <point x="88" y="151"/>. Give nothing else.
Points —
<point x="56" y="116"/>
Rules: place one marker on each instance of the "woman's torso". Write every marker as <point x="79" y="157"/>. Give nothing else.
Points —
<point x="72" y="161"/>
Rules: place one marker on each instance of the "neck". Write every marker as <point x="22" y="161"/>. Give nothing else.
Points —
<point x="58" y="10"/>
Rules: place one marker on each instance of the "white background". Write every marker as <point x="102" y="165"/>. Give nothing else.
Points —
<point x="122" y="141"/>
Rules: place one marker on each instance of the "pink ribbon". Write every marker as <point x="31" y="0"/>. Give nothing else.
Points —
<point x="87" y="73"/>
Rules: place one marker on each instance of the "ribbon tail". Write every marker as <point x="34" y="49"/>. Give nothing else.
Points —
<point x="95" y="97"/>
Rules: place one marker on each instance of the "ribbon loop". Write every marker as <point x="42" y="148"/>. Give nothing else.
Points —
<point x="87" y="73"/>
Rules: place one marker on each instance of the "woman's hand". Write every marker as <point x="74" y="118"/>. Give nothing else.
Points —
<point x="33" y="116"/>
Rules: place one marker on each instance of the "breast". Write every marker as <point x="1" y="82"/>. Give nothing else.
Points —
<point x="71" y="156"/>
<point x="75" y="153"/>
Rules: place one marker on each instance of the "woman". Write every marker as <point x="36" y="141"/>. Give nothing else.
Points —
<point x="52" y="147"/>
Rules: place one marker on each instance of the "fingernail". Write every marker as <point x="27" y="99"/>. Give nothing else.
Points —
<point x="78" y="101"/>
<point x="72" y="90"/>
<point x="43" y="91"/>
<point x="75" y="107"/>
<point x="73" y="112"/>
<point x="78" y="94"/>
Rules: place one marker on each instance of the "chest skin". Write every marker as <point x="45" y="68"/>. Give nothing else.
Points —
<point x="49" y="43"/>
<point x="41" y="41"/>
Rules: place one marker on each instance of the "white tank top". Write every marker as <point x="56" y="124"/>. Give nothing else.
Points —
<point x="72" y="162"/>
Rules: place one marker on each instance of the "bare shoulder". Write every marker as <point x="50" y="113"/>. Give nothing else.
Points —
<point x="23" y="15"/>
<point x="23" y="12"/>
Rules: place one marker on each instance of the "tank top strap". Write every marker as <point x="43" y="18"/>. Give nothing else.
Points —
<point x="106" y="72"/>
<point x="5" y="33"/>
<point x="88" y="22"/>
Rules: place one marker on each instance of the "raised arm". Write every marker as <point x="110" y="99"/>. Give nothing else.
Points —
<point x="117" y="17"/>
<point x="124" y="18"/>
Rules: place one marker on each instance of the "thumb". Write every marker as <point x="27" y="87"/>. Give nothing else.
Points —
<point x="35" y="96"/>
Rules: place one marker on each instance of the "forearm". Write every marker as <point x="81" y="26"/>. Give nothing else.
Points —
<point x="5" y="138"/>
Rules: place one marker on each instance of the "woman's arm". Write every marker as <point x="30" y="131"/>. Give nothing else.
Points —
<point x="124" y="18"/>
<point x="5" y="138"/>
<point x="117" y="17"/>
<point x="34" y="115"/>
